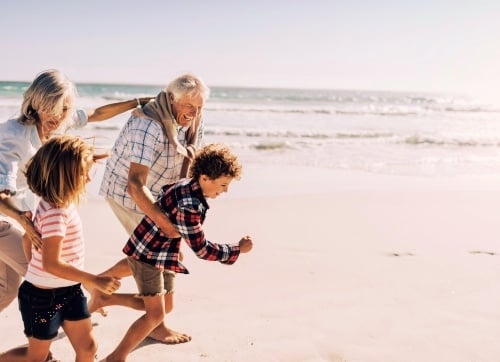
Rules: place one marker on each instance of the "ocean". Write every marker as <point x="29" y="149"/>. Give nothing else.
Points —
<point x="398" y="133"/>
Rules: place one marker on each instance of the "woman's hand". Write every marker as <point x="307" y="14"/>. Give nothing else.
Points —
<point x="30" y="232"/>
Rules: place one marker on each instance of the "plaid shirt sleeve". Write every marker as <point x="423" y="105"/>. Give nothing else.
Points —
<point x="189" y="217"/>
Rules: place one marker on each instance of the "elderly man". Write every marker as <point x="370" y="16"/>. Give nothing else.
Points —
<point x="154" y="148"/>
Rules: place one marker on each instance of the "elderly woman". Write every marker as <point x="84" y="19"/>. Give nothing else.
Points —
<point x="48" y="106"/>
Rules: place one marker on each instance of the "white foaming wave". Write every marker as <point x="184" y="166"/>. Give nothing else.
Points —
<point x="355" y="109"/>
<point x="417" y="140"/>
<point x="306" y="134"/>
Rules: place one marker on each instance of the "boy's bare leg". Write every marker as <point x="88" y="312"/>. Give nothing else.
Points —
<point x="140" y="329"/>
<point x="119" y="270"/>
<point x="164" y="334"/>
<point x="99" y="300"/>
<point x="160" y="333"/>
<point x="96" y="303"/>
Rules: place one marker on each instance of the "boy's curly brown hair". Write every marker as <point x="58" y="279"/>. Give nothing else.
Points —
<point x="215" y="160"/>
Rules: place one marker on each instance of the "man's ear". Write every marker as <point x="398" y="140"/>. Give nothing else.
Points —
<point x="171" y="97"/>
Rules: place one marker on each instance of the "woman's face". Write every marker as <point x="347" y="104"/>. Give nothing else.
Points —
<point x="50" y="122"/>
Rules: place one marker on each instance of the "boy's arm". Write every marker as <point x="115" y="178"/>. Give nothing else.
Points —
<point x="113" y="109"/>
<point x="189" y="225"/>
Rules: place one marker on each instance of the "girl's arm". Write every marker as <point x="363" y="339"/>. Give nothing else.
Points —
<point x="52" y="263"/>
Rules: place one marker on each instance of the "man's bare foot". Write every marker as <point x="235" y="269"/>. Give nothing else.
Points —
<point x="168" y="336"/>
<point x="96" y="303"/>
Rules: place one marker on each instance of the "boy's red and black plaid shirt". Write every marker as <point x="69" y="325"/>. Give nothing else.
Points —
<point x="186" y="207"/>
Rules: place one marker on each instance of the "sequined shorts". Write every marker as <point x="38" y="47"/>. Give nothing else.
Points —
<point x="44" y="310"/>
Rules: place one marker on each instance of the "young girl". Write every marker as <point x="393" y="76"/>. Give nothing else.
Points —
<point x="51" y="295"/>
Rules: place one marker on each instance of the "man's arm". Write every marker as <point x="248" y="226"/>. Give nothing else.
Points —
<point x="110" y="110"/>
<point x="142" y="196"/>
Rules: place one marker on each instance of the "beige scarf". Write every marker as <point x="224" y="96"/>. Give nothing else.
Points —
<point x="160" y="110"/>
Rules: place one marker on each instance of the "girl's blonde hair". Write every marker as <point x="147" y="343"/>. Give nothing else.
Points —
<point x="58" y="171"/>
<point x="48" y="93"/>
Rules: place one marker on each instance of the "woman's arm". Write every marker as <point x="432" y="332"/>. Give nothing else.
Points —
<point x="113" y="109"/>
<point x="27" y="247"/>
<point x="22" y="217"/>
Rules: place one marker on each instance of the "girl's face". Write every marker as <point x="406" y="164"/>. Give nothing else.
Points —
<point x="213" y="188"/>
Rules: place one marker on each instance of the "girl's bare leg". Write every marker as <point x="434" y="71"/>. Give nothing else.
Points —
<point x="82" y="339"/>
<point x="38" y="349"/>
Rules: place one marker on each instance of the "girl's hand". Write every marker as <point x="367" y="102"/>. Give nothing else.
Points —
<point x="246" y="244"/>
<point x="105" y="284"/>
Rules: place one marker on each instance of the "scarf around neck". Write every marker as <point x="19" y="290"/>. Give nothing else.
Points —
<point x="160" y="110"/>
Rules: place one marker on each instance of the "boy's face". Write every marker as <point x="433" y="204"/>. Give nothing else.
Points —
<point x="213" y="188"/>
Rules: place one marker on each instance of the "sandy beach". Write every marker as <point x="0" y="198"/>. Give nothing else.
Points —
<point x="347" y="266"/>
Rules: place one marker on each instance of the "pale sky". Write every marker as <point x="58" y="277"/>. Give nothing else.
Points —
<point x="425" y="45"/>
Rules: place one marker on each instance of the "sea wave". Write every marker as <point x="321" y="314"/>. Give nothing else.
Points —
<point x="359" y="110"/>
<point x="437" y="141"/>
<point x="287" y="138"/>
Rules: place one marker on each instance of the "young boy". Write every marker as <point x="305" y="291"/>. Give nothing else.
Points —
<point x="154" y="258"/>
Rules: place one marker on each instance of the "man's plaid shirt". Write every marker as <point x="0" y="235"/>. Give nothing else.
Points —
<point x="142" y="141"/>
<point x="186" y="207"/>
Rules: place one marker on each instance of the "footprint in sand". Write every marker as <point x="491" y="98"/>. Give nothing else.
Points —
<point x="401" y="254"/>
<point x="482" y="252"/>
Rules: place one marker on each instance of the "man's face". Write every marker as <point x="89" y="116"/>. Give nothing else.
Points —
<point x="186" y="109"/>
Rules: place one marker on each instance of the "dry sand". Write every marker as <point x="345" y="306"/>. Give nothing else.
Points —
<point x="346" y="267"/>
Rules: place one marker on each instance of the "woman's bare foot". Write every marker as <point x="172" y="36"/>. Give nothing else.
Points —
<point x="97" y="302"/>
<point x="168" y="336"/>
